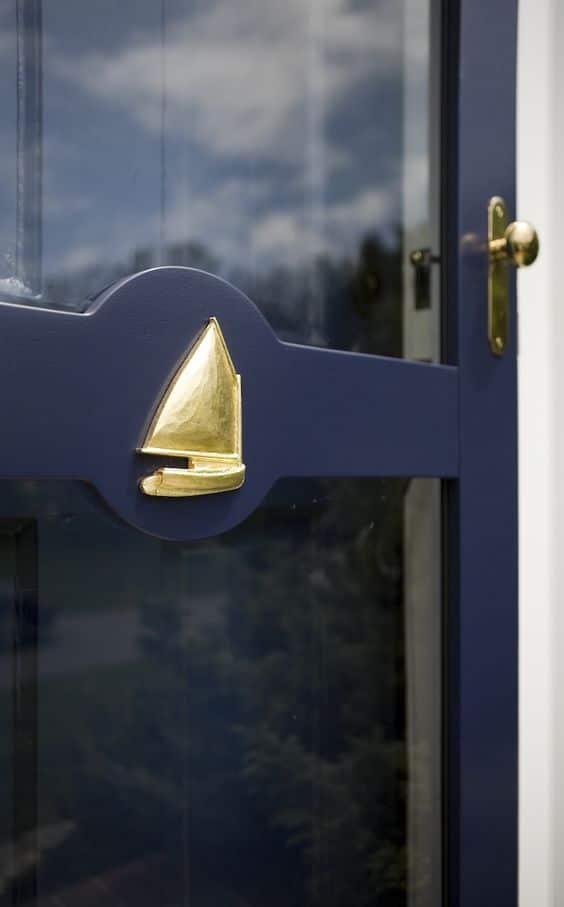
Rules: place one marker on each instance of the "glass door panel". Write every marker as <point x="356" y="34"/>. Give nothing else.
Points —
<point x="288" y="147"/>
<point x="252" y="719"/>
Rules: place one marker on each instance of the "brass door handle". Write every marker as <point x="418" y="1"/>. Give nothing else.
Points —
<point x="517" y="244"/>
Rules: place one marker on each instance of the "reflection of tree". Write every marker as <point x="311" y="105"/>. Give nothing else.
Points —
<point x="324" y="755"/>
<point x="376" y="294"/>
<point x="348" y="303"/>
<point x="260" y="741"/>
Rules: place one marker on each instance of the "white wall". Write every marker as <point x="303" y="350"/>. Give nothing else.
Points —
<point x="540" y="199"/>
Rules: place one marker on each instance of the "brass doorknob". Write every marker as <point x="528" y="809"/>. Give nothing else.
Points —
<point x="519" y="245"/>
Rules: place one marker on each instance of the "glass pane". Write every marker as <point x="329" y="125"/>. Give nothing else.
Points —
<point x="289" y="147"/>
<point x="249" y="720"/>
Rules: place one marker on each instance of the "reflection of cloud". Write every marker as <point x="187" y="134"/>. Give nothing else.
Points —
<point x="218" y="219"/>
<point x="79" y="258"/>
<point x="239" y="78"/>
<point x="281" y="237"/>
<point x="282" y="131"/>
<point x="255" y="84"/>
<point x="224" y="223"/>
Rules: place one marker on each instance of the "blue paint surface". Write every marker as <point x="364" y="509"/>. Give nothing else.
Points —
<point x="87" y="385"/>
<point x="483" y="608"/>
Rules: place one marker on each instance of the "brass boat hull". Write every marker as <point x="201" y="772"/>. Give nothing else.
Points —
<point x="182" y="483"/>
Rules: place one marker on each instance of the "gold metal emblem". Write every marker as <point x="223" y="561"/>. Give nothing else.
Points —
<point x="199" y="418"/>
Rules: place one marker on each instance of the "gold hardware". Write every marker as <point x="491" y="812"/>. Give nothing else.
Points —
<point x="421" y="260"/>
<point x="497" y="279"/>
<point x="517" y="244"/>
<point x="199" y="418"/>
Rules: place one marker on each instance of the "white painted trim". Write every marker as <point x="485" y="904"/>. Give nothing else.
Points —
<point x="541" y="367"/>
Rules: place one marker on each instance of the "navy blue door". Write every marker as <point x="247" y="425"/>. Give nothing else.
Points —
<point x="299" y="689"/>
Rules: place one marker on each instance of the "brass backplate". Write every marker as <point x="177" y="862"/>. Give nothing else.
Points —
<point x="498" y="280"/>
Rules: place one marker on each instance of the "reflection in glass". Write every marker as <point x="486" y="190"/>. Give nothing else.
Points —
<point x="284" y="146"/>
<point x="249" y="720"/>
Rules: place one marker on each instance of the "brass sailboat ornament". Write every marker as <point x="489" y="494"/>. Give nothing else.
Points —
<point x="199" y="418"/>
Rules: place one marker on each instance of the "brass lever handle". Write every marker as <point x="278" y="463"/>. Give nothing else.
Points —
<point x="516" y="243"/>
<point x="519" y="245"/>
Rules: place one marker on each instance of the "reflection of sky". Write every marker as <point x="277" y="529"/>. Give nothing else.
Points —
<point x="269" y="133"/>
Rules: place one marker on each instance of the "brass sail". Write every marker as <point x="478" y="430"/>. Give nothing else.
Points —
<point x="199" y="418"/>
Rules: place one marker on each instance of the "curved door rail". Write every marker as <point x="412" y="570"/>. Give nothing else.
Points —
<point x="81" y="392"/>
